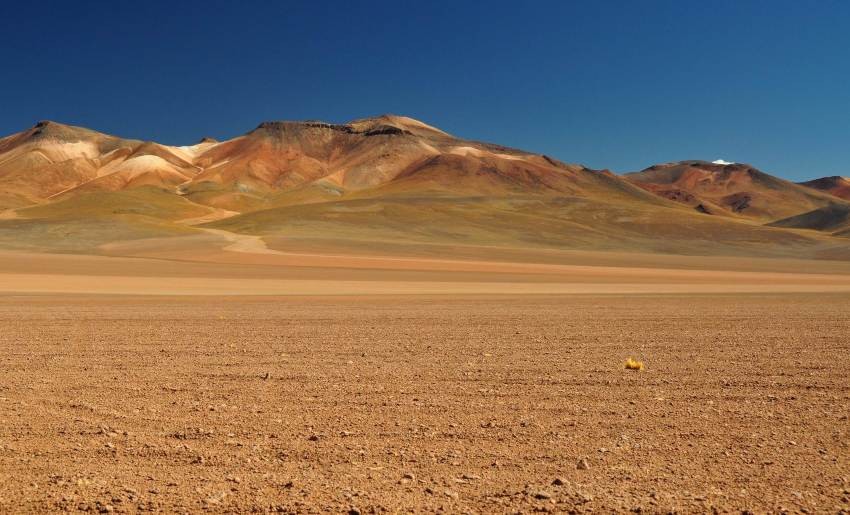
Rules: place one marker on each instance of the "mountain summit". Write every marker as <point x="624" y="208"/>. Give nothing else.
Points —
<point x="395" y="179"/>
<point x="729" y="189"/>
<point x="308" y="159"/>
<point x="836" y="185"/>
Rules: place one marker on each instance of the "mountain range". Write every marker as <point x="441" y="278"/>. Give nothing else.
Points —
<point x="390" y="182"/>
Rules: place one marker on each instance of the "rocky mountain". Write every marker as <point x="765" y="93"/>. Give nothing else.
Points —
<point x="391" y="180"/>
<point x="729" y="189"/>
<point x="302" y="161"/>
<point x="836" y="186"/>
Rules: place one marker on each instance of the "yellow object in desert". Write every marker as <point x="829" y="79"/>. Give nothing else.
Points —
<point x="632" y="364"/>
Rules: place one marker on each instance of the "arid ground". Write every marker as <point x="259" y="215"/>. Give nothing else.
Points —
<point x="381" y="316"/>
<point x="389" y="399"/>
<point x="228" y="372"/>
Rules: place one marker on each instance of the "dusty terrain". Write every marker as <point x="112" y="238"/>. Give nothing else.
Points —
<point x="242" y="269"/>
<point x="380" y="317"/>
<point x="385" y="403"/>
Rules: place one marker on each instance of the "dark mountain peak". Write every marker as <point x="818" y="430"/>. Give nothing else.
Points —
<point x="360" y="127"/>
<point x="828" y="182"/>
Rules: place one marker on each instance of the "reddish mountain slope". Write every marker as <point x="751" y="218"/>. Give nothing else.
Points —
<point x="392" y="179"/>
<point x="836" y="186"/>
<point x="738" y="190"/>
<point x="52" y="159"/>
<point x="281" y="163"/>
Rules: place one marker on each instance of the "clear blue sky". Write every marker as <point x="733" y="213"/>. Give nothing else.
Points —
<point x="618" y="85"/>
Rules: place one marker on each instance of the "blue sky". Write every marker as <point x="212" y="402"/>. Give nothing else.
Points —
<point x="618" y="85"/>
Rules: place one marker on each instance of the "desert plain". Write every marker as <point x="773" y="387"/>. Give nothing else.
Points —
<point x="320" y="382"/>
<point x="380" y="317"/>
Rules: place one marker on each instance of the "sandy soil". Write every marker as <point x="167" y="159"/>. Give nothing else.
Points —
<point x="254" y="272"/>
<point x="215" y="214"/>
<point x="208" y="248"/>
<point x="465" y="404"/>
<point x="486" y="382"/>
<point x="244" y="243"/>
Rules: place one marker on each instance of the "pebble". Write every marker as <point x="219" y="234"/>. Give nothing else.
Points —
<point x="215" y="499"/>
<point x="582" y="464"/>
